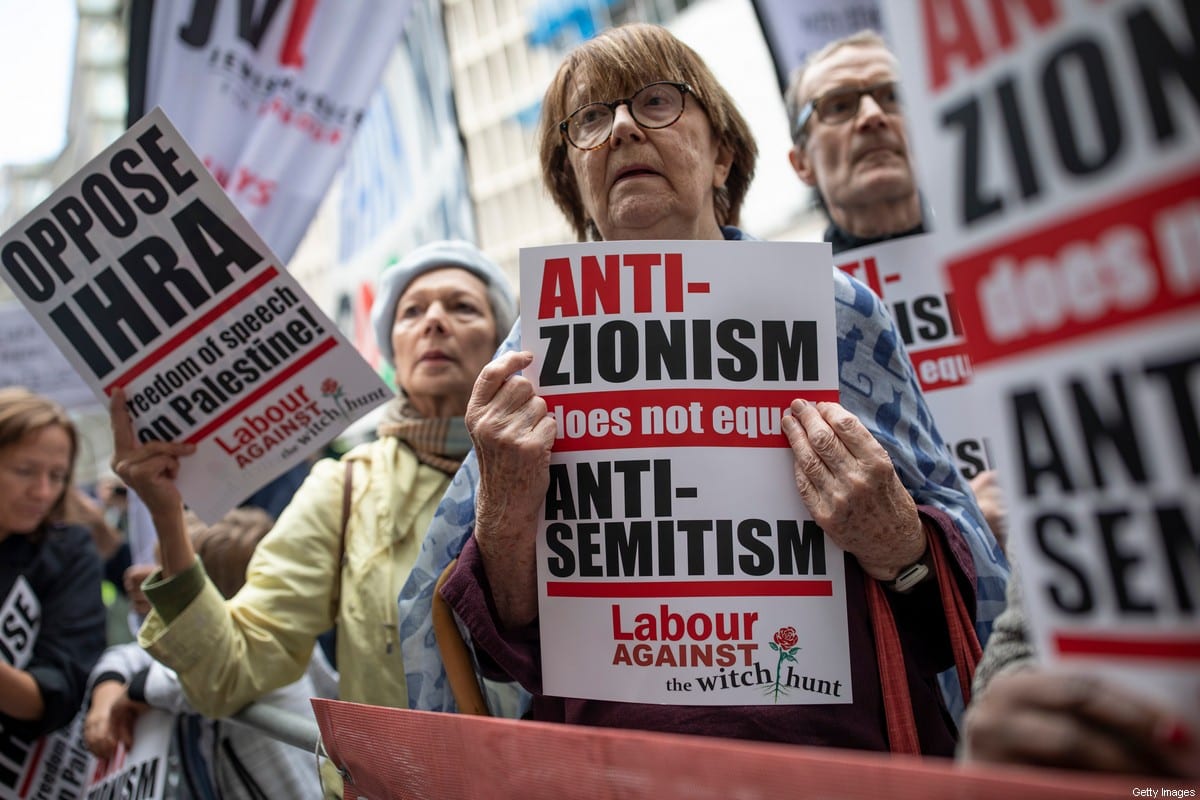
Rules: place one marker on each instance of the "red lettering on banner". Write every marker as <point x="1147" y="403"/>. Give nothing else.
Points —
<point x="309" y="124"/>
<point x="292" y="52"/>
<point x="599" y="289"/>
<point x="942" y="367"/>
<point x="283" y="417"/>
<point x="869" y="273"/>
<point x="952" y="35"/>
<point x="257" y="191"/>
<point x="596" y="285"/>
<point x="1104" y="267"/>
<point x="263" y="389"/>
<point x="672" y="626"/>
<point x="245" y="185"/>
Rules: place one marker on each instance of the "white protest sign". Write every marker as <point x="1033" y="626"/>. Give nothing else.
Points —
<point x="906" y="275"/>
<point x="59" y="766"/>
<point x="676" y="561"/>
<point x="1060" y="143"/>
<point x="56" y="765"/>
<point x="147" y="278"/>
<point x="29" y="358"/>
<point x="141" y="771"/>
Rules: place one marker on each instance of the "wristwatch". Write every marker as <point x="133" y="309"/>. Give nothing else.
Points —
<point x="912" y="575"/>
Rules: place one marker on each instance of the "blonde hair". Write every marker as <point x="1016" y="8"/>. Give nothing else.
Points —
<point x="23" y="413"/>
<point x="617" y="63"/>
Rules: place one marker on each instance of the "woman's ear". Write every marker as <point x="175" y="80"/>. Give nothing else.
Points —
<point x="723" y="165"/>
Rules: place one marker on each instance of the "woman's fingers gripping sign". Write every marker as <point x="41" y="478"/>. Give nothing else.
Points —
<point x="149" y="468"/>
<point x="851" y="489"/>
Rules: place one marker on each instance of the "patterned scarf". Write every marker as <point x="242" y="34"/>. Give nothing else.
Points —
<point x="442" y="443"/>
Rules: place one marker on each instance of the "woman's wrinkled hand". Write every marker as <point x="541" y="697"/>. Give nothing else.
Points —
<point x="513" y="434"/>
<point x="1053" y="719"/>
<point x="851" y="489"/>
<point x="149" y="469"/>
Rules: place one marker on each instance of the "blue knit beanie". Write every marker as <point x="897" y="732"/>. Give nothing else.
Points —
<point x="439" y="255"/>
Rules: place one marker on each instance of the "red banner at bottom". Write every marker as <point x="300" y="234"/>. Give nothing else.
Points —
<point x="396" y="753"/>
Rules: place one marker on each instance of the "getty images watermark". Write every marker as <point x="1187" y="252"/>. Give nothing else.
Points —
<point x="1150" y="791"/>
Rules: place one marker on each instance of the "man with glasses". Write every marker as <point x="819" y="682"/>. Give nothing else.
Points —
<point x="849" y="141"/>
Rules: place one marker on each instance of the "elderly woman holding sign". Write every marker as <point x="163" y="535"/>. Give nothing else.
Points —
<point x="639" y="141"/>
<point x="340" y="551"/>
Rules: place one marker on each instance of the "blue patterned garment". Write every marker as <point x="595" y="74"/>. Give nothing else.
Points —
<point x="877" y="385"/>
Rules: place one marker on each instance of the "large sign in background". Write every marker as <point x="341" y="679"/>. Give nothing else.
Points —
<point x="906" y="275"/>
<point x="1060" y="144"/>
<point x="268" y="94"/>
<point x="29" y="358"/>
<point x="795" y="28"/>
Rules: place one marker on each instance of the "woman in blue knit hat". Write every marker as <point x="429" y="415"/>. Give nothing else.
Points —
<point x="438" y="317"/>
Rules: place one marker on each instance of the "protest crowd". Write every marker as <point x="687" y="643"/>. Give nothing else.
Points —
<point x="842" y="585"/>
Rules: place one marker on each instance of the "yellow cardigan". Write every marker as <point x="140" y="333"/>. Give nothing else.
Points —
<point x="229" y="653"/>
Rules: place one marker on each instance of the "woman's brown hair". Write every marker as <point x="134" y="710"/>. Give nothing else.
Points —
<point x="23" y="413"/>
<point x="226" y="546"/>
<point x="617" y="63"/>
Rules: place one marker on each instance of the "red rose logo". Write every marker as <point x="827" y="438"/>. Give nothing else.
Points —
<point x="785" y="645"/>
<point x="331" y="388"/>
<point x="786" y="638"/>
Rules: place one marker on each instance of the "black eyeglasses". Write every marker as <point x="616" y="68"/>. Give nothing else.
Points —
<point x="839" y="105"/>
<point x="655" y="105"/>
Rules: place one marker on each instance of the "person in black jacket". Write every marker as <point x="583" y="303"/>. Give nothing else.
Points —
<point x="51" y="613"/>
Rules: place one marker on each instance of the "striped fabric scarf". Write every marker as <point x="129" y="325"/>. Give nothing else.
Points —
<point x="442" y="443"/>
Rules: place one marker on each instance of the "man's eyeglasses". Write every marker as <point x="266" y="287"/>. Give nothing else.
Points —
<point x="655" y="105"/>
<point x="839" y="105"/>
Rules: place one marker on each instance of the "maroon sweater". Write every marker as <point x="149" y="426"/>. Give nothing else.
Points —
<point x="515" y="654"/>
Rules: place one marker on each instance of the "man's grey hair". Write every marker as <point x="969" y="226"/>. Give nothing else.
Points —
<point x="792" y="99"/>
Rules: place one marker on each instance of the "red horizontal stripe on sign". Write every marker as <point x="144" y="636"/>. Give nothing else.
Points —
<point x="32" y="766"/>
<point x="252" y="398"/>
<point x="186" y="335"/>
<point x="1157" y="648"/>
<point x="1104" y="268"/>
<point x="635" y="589"/>
<point x="674" y="417"/>
<point x="942" y="367"/>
